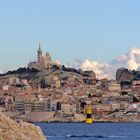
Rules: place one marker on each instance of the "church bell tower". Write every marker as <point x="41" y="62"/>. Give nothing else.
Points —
<point x="39" y="61"/>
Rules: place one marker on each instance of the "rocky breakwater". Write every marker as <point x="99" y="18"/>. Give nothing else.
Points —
<point x="11" y="130"/>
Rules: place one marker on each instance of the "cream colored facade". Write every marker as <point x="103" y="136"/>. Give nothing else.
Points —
<point x="114" y="87"/>
<point x="44" y="61"/>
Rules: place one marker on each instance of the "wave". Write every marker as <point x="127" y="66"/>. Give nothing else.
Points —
<point x="91" y="136"/>
<point x="85" y="136"/>
<point x="77" y="136"/>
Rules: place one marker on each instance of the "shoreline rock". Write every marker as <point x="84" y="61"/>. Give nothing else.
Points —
<point x="11" y="130"/>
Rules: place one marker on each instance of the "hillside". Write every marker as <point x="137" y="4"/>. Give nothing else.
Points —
<point x="46" y="76"/>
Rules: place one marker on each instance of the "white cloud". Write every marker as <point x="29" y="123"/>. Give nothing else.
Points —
<point x="57" y="62"/>
<point x="101" y="69"/>
<point x="0" y="71"/>
<point x="131" y="60"/>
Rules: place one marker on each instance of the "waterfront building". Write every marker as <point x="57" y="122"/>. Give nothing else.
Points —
<point x="19" y="103"/>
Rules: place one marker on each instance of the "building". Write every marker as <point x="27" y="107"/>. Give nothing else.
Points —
<point x="33" y="65"/>
<point x="39" y="57"/>
<point x="112" y="86"/>
<point x="47" y="61"/>
<point x="44" y="61"/>
<point x="19" y="104"/>
<point x="38" y="106"/>
<point x="13" y="81"/>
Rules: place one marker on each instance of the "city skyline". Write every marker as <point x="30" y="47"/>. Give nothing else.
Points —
<point x="94" y="30"/>
<point x="69" y="69"/>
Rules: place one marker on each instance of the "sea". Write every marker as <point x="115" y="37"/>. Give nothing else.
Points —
<point x="95" y="131"/>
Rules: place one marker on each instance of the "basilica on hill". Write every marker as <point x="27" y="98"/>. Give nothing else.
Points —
<point x="43" y="62"/>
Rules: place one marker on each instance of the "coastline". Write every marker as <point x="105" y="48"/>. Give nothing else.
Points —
<point x="94" y="121"/>
<point x="53" y="117"/>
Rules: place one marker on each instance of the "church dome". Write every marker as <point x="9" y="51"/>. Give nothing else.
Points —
<point x="47" y="54"/>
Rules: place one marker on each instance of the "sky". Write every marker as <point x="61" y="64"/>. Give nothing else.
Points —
<point x="94" y="30"/>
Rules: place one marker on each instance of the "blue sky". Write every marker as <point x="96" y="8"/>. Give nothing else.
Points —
<point x="84" y="29"/>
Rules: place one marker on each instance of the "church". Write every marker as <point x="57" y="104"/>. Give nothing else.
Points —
<point x="43" y="62"/>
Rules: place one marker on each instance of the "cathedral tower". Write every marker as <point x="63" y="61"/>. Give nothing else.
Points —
<point x="40" y="60"/>
<point x="48" y="61"/>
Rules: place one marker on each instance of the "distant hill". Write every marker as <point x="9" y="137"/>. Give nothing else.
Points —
<point x="36" y="76"/>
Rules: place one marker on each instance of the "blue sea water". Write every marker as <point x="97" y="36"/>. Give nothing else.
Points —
<point x="95" y="131"/>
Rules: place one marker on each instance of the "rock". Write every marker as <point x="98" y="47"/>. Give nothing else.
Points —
<point x="11" y="130"/>
<point x="124" y="75"/>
